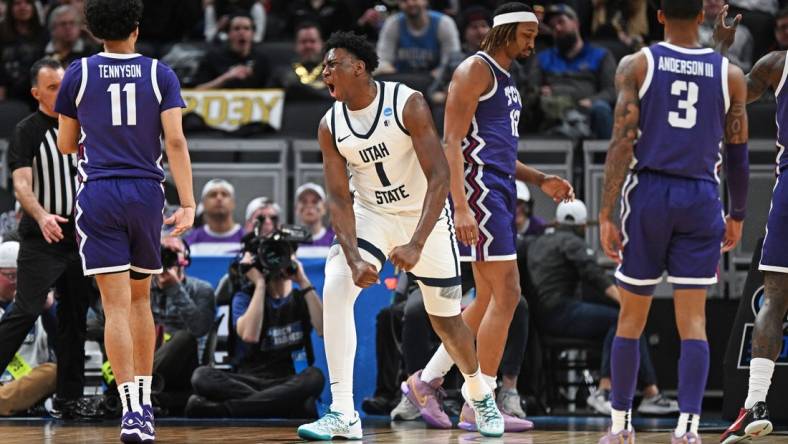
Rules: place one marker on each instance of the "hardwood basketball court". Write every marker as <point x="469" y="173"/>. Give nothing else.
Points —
<point x="577" y="430"/>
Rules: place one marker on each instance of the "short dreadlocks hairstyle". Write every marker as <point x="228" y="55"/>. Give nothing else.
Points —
<point x="113" y="19"/>
<point x="500" y="36"/>
<point x="358" y="45"/>
<point x="682" y="9"/>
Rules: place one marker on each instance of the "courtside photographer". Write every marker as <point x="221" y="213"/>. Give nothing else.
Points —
<point x="272" y="321"/>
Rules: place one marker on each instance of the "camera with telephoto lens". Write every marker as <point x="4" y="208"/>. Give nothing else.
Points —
<point x="169" y="258"/>
<point x="272" y="253"/>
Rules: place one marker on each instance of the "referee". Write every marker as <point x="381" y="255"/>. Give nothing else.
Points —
<point x="46" y="186"/>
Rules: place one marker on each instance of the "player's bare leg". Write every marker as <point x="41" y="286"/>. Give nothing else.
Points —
<point x="503" y="279"/>
<point x="767" y="341"/>
<point x="143" y="333"/>
<point x="116" y="302"/>
<point x="116" y="299"/>
<point x="690" y="309"/>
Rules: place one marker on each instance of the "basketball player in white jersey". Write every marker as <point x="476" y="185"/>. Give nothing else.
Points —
<point x="383" y="133"/>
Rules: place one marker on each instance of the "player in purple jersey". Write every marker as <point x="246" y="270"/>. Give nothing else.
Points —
<point x="122" y="103"/>
<point x="676" y="104"/>
<point x="767" y="337"/>
<point x="482" y="114"/>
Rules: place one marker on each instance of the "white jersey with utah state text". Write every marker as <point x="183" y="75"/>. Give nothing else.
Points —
<point x="384" y="169"/>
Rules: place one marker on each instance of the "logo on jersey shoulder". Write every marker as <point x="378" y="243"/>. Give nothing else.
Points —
<point x="374" y="153"/>
<point x="339" y="140"/>
<point x="388" y="111"/>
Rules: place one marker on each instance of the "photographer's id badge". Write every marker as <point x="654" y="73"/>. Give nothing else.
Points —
<point x="18" y="367"/>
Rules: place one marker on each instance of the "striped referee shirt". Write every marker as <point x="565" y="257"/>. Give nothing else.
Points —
<point x="55" y="184"/>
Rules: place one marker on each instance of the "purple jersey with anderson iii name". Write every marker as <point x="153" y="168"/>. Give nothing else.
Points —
<point x="118" y="100"/>
<point x="492" y="138"/>
<point x="683" y="102"/>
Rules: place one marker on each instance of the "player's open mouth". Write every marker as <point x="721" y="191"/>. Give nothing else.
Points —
<point x="331" y="88"/>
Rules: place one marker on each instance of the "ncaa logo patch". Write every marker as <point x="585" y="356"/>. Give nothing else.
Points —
<point x="388" y="111"/>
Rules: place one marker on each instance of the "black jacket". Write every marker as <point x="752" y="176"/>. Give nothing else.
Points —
<point x="558" y="261"/>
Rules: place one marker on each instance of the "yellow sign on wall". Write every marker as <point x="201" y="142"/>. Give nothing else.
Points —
<point x="230" y="109"/>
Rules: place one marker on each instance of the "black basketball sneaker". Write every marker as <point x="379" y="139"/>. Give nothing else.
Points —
<point x="751" y="424"/>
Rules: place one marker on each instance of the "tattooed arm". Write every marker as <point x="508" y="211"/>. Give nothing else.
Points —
<point x="766" y="73"/>
<point x="629" y="76"/>
<point x="735" y="160"/>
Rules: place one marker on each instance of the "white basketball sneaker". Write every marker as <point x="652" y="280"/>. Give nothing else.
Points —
<point x="332" y="425"/>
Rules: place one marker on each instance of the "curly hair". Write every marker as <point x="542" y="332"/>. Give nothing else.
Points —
<point x="113" y="19"/>
<point x="500" y="36"/>
<point x="682" y="9"/>
<point x="356" y="45"/>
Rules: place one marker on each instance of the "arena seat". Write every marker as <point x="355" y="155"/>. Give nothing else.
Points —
<point x="300" y="119"/>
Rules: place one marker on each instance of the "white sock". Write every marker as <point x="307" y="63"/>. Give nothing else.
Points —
<point x="439" y="365"/>
<point x="761" y="371"/>
<point x="339" y="333"/>
<point x="130" y="397"/>
<point x="143" y="383"/>
<point x="491" y="381"/>
<point x="476" y="385"/>
<point x="686" y="420"/>
<point x="622" y="420"/>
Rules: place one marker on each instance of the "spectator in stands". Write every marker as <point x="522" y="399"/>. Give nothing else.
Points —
<point x="624" y="21"/>
<point x="303" y="79"/>
<point x="31" y="377"/>
<point x="220" y="234"/>
<point x="330" y="15"/>
<point x="219" y="13"/>
<point x="183" y="311"/>
<point x="756" y="15"/>
<point x="528" y="224"/>
<point x="272" y="320"/>
<point x="169" y="21"/>
<point x="236" y="64"/>
<point x="22" y="40"/>
<point x="475" y="24"/>
<point x="265" y="210"/>
<point x="67" y="44"/>
<point x="781" y="30"/>
<point x="740" y="53"/>
<point x="574" y="75"/>
<point x="558" y="262"/>
<point x="310" y="211"/>
<point x="416" y="40"/>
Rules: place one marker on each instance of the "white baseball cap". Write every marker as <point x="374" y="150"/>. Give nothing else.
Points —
<point x="217" y="183"/>
<point x="523" y="193"/>
<point x="9" y="251"/>
<point x="572" y="213"/>
<point x="311" y="186"/>
<point x="260" y="202"/>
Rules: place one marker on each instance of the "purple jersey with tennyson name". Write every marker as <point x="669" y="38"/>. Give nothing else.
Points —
<point x="492" y="138"/>
<point x="118" y="100"/>
<point x="782" y="121"/>
<point x="683" y="102"/>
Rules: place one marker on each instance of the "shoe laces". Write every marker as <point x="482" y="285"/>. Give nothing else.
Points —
<point x="487" y="408"/>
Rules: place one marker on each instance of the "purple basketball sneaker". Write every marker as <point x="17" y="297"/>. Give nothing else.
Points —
<point x="134" y="430"/>
<point x="426" y="398"/>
